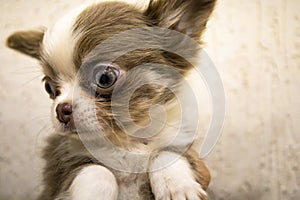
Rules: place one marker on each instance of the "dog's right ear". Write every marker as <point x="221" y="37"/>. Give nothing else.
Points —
<point x="186" y="16"/>
<point x="26" y="42"/>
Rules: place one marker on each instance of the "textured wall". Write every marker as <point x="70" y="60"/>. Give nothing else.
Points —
<point x="256" y="48"/>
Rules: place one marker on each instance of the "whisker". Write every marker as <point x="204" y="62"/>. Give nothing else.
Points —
<point x="29" y="81"/>
<point x="110" y="125"/>
<point x="41" y="117"/>
<point x="29" y="69"/>
<point x="44" y="129"/>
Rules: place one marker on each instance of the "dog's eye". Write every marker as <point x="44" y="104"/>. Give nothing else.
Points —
<point x="106" y="76"/>
<point x="50" y="87"/>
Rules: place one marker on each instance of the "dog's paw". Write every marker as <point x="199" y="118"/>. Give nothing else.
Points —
<point x="175" y="182"/>
<point x="167" y="189"/>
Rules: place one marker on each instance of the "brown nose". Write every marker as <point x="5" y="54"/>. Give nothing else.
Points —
<point x="64" y="112"/>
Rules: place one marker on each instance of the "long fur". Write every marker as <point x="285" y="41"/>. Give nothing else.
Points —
<point x="68" y="53"/>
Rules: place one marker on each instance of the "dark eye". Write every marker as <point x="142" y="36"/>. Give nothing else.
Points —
<point x="106" y="76"/>
<point x="50" y="87"/>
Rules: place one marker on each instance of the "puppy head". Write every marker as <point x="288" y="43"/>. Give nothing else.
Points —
<point x="105" y="52"/>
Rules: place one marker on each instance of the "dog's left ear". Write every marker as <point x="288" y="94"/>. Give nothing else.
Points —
<point x="26" y="42"/>
<point x="186" y="16"/>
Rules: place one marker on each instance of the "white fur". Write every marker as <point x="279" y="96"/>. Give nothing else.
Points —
<point x="66" y="90"/>
<point x="172" y="178"/>
<point x="59" y="42"/>
<point x="84" y="111"/>
<point x="66" y="94"/>
<point x="175" y="131"/>
<point x="94" y="182"/>
<point x="58" y="45"/>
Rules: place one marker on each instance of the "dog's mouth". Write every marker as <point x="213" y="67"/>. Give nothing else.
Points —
<point x="68" y="127"/>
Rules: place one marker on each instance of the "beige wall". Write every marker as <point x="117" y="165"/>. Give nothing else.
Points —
<point x="256" y="48"/>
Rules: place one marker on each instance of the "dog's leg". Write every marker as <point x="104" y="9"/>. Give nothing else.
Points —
<point x="199" y="169"/>
<point x="94" y="182"/>
<point x="173" y="179"/>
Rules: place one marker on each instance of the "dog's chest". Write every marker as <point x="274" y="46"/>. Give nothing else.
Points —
<point x="133" y="186"/>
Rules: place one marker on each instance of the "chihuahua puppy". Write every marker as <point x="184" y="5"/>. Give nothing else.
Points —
<point x="106" y="65"/>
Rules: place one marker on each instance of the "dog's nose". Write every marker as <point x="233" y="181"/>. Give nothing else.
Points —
<point x="64" y="112"/>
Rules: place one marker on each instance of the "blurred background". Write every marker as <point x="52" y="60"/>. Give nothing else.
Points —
<point x="255" y="46"/>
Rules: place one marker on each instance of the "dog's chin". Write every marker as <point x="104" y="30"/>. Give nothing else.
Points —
<point x="66" y="129"/>
<point x="72" y="129"/>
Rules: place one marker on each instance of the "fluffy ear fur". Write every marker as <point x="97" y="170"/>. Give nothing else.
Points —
<point x="26" y="42"/>
<point x="186" y="16"/>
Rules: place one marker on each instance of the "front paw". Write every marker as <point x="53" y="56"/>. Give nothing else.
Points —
<point x="174" y="182"/>
<point x="164" y="188"/>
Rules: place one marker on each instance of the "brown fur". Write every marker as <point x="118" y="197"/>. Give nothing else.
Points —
<point x="26" y="42"/>
<point x="66" y="156"/>
<point x="188" y="17"/>
<point x="99" y="22"/>
<point x="201" y="171"/>
<point x="62" y="164"/>
<point x="93" y="26"/>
